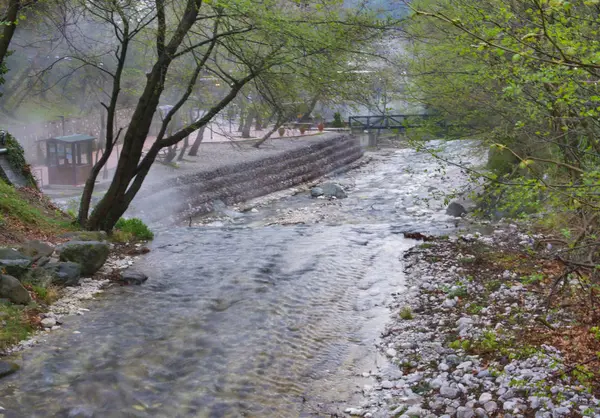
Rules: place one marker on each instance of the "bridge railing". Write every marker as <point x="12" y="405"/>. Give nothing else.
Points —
<point x="399" y="122"/>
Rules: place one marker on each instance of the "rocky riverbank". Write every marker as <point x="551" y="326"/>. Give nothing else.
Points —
<point x="477" y="334"/>
<point x="41" y="283"/>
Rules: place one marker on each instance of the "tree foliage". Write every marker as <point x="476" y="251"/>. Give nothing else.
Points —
<point x="159" y="52"/>
<point x="523" y="76"/>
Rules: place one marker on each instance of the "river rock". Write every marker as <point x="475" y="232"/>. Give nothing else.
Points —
<point x="490" y="407"/>
<point x="13" y="262"/>
<point x="63" y="273"/>
<point x="449" y="303"/>
<point x="316" y="192"/>
<point x="91" y="255"/>
<point x="485" y="397"/>
<point x="386" y="384"/>
<point x="464" y="412"/>
<point x="333" y="190"/>
<point x="131" y="276"/>
<point x="36" y="249"/>
<point x="480" y="413"/>
<point x="449" y="392"/>
<point x="455" y="209"/>
<point x="48" y="322"/>
<point x="13" y="290"/>
<point x="414" y="411"/>
<point x="7" y="368"/>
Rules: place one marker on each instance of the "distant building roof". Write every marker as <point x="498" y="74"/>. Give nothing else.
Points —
<point x="73" y="138"/>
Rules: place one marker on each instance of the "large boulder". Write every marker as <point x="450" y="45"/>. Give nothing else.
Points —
<point x="13" y="262"/>
<point x="63" y="273"/>
<point x="333" y="190"/>
<point x="91" y="255"/>
<point x="13" y="290"/>
<point x="36" y="249"/>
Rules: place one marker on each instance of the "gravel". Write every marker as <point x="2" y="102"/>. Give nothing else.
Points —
<point x="452" y="382"/>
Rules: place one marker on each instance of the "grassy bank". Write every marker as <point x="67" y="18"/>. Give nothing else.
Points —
<point x="29" y="218"/>
<point x="27" y="214"/>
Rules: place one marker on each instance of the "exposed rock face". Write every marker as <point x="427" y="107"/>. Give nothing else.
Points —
<point x="91" y="255"/>
<point x="13" y="262"/>
<point x="13" y="290"/>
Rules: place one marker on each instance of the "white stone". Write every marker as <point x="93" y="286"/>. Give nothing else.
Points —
<point x="490" y="407"/>
<point x="48" y="322"/>
<point x="485" y="397"/>
<point x="386" y="384"/>
<point x="449" y="392"/>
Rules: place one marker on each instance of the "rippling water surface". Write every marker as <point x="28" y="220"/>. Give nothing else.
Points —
<point x="243" y="321"/>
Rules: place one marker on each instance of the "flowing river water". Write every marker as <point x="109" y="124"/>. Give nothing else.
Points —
<point x="250" y="318"/>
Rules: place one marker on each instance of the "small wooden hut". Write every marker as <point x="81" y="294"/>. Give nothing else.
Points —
<point x="69" y="159"/>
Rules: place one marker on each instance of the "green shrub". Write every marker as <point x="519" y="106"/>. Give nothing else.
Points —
<point x="406" y="313"/>
<point x="460" y="345"/>
<point x="46" y="294"/>
<point x="337" y="120"/>
<point x="134" y="226"/>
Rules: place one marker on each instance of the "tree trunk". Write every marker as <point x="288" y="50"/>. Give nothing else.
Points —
<point x="248" y="124"/>
<point x="242" y="111"/>
<point x="171" y="154"/>
<point x="113" y="205"/>
<point x="267" y="136"/>
<point x="88" y="189"/>
<point x="102" y="136"/>
<point x="259" y="122"/>
<point x="9" y="26"/>
<point x="132" y="169"/>
<point x="279" y="121"/>
<point x="186" y="143"/>
<point x="199" y="137"/>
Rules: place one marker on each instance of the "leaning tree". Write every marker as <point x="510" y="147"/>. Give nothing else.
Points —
<point x="233" y="41"/>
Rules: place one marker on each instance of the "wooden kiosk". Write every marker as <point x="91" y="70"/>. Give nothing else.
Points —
<point x="69" y="159"/>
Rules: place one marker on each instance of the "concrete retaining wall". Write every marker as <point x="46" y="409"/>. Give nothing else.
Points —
<point x="179" y="198"/>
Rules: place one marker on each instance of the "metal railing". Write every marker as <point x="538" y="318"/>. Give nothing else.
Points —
<point x="400" y="122"/>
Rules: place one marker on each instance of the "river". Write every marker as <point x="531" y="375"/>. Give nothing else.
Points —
<point x="247" y="317"/>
